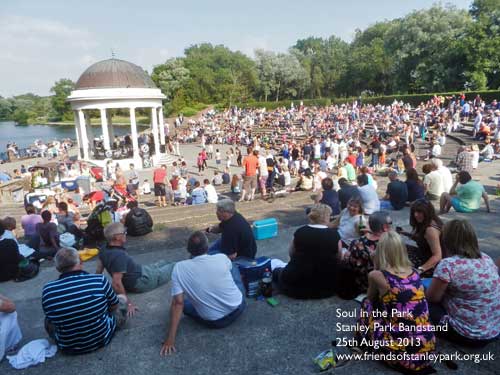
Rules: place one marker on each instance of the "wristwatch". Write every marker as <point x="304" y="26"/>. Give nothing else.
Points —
<point x="420" y="269"/>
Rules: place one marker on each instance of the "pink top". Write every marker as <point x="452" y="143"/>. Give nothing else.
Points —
<point x="472" y="299"/>
<point x="29" y="222"/>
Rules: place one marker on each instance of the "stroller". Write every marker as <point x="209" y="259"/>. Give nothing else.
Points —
<point x="278" y="188"/>
<point x="121" y="195"/>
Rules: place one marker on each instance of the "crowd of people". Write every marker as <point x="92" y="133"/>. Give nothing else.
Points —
<point x="39" y="149"/>
<point x="432" y="278"/>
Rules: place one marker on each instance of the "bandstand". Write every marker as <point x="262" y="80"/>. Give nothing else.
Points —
<point x="117" y="84"/>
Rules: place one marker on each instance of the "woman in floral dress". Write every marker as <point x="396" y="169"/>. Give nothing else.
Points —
<point x="395" y="314"/>
<point x="359" y="257"/>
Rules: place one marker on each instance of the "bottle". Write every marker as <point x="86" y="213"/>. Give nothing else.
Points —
<point x="361" y="225"/>
<point x="267" y="284"/>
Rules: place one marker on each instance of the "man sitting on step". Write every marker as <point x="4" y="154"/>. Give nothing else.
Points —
<point x="127" y="275"/>
<point x="205" y="288"/>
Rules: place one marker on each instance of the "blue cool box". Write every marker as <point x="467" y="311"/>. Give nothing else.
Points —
<point x="251" y="271"/>
<point x="266" y="228"/>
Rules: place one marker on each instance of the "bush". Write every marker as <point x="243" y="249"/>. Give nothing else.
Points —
<point x="199" y="106"/>
<point x="413" y="99"/>
<point x="68" y="116"/>
<point x="188" y="111"/>
<point x="20" y="116"/>
<point x="321" y="102"/>
<point x="416" y="99"/>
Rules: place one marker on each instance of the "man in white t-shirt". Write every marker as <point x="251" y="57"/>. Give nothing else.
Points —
<point x="433" y="182"/>
<point x="371" y="202"/>
<point x="445" y="174"/>
<point x="207" y="288"/>
<point x="212" y="196"/>
<point x="317" y="150"/>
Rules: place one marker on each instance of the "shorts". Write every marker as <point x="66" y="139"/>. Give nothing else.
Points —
<point x="159" y="190"/>
<point x="249" y="182"/>
<point x="459" y="207"/>
<point x="262" y="182"/>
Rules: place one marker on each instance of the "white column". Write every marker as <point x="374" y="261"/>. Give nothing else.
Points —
<point x="83" y="131"/>
<point x="162" y="126"/>
<point x="135" y="141"/>
<point x="77" y="131"/>
<point x="90" y="133"/>
<point x="154" y="120"/>
<point x="104" y="127"/>
<point x="111" y="130"/>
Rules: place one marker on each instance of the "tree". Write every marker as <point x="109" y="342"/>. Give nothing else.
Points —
<point x="334" y="64"/>
<point x="5" y="109"/>
<point x="21" y="116"/>
<point x="308" y="52"/>
<point x="61" y="90"/>
<point x="482" y="44"/>
<point x="426" y="49"/>
<point x="171" y="76"/>
<point x="280" y="74"/>
<point x="218" y="74"/>
<point x="266" y="69"/>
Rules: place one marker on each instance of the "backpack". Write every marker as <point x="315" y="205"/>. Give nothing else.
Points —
<point x="138" y="222"/>
<point x="27" y="269"/>
<point x="97" y="221"/>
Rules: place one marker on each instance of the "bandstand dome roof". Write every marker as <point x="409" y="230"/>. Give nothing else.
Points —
<point x="114" y="73"/>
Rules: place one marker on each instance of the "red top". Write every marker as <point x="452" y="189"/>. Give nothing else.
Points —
<point x="251" y="164"/>
<point x="175" y="183"/>
<point x="159" y="175"/>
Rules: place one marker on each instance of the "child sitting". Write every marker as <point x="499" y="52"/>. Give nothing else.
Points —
<point x="146" y="188"/>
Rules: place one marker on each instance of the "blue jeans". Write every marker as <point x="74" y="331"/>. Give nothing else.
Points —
<point x="189" y="309"/>
<point x="386" y="205"/>
<point x="225" y="321"/>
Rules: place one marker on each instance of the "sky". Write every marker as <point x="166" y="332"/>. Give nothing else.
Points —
<point x="43" y="41"/>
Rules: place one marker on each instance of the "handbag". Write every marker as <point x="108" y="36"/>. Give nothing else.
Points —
<point x="27" y="269"/>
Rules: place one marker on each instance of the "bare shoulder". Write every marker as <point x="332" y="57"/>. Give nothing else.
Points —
<point x="432" y="230"/>
<point x="376" y="276"/>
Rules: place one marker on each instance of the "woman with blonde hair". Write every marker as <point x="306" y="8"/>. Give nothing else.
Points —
<point x="311" y="272"/>
<point x="50" y="204"/>
<point x="236" y="184"/>
<point x="475" y="155"/>
<point x="396" y="299"/>
<point x="465" y="289"/>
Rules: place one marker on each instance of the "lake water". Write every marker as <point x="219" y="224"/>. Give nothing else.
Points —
<point x="24" y="135"/>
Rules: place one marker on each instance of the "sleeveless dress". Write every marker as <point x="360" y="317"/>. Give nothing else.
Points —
<point x="360" y="261"/>
<point x="408" y="330"/>
<point x="420" y="254"/>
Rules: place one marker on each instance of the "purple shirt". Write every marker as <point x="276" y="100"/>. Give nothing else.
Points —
<point x="29" y="222"/>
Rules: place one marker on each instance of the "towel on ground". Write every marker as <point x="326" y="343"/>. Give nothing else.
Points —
<point x="32" y="354"/>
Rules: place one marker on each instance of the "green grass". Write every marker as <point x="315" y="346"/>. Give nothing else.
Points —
<point x="192" y="110"/>
<point x="117" y="120"/>
<point x="159" y="226"/>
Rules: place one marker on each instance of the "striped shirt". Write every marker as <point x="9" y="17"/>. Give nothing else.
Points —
<point x="78" y="305"/>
